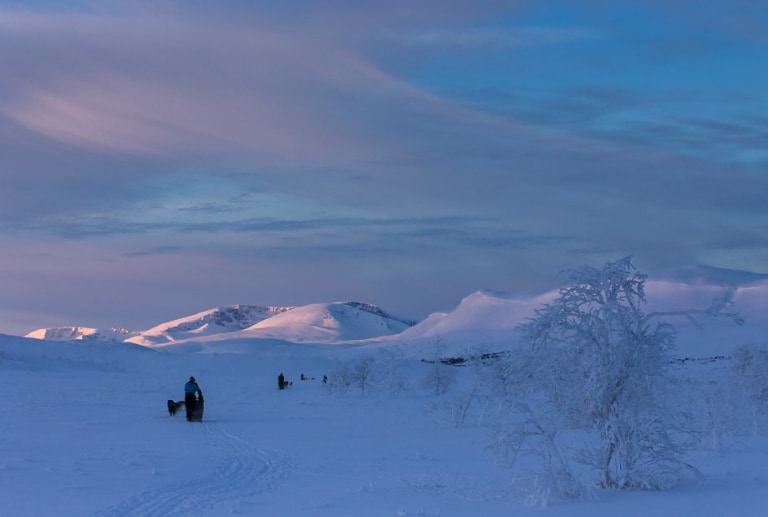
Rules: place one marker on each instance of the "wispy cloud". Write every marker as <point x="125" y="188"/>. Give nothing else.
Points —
<point x="494" y="37"/>
<point x="163" y="88"/>
<point x="431" y="147"/>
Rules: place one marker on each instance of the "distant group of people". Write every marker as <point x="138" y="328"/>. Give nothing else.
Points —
<point x="193" y="395"/>
<point x="282" y="383"/>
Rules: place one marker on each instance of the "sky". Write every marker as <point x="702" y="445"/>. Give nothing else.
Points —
<point x="162" y="158"/>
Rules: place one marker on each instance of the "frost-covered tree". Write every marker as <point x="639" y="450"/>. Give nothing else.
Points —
<point x="362" y="373"/>
<point x="471" y="395"/>
<point x="391" y="371"/>
<point x="750" y="365"/>
<point x="440" y="377"/>
<point x="340" y="378"/>
<point x="503" y="375"/>
<point x="599" y="361"/>
<point x="750" y="362"/>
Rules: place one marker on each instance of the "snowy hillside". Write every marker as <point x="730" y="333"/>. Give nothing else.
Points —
<point x="712" y="336"/>
<point x="496" y="313"/>
<point x="81" y="333"/>
<point x="487" y="319"/>
<point x="484" y="319"/>
<point x="206" y="323"/>
<point x="320" y="323"/>
<point x="220" y="320"/>
<point x="337" y="322"/>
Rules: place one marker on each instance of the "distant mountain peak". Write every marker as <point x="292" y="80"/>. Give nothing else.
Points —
<point x="485" y="317"/>
<point x="81" y="333"/>
<point x="231" y="317"/>
<point x="329" y="323"/>
<point x="378" y="311"/>
<point x="219" y="320"/>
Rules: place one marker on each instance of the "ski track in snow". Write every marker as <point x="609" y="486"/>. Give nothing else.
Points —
<point x="248" y="470"/>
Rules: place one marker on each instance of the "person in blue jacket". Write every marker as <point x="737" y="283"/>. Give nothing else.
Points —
<point x="190" y="390"/>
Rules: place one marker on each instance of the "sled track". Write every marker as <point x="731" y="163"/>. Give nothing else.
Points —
<point x="248" y="470"/>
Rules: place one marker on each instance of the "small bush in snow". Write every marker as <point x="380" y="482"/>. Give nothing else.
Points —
<point x="390" y="371"/>
<point x="531" y="437"/>
<point x="723" y="411"/>
<point x="750" y="362"/>
<point x="440" y="377"/>
<point x="362" y="373"/>
<point x="474" y="395"/>
<point x="340" y="378"/>
<point x="750" y="365"/>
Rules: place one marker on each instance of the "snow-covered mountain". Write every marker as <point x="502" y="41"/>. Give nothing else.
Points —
<point x="329" y="323"/>
<point x="487" y="319"/>
<point x="484" y="319"/>
<point x="221" y="320"/>
<point x="81" y="333"/>
<point x="212" y="321"/>
<point x="318" y="323"/>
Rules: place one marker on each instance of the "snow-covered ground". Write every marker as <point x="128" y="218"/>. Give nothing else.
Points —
<point x="84" y="430"/>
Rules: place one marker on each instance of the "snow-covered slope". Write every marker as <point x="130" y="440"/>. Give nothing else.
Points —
<point x="485" y="319"/>
<point x="81" y="333"/>
<point x="316" y="323"/>
<point x="221" y="320"/>
<point x="711" y="336"/>
<point x="335" y="322"/>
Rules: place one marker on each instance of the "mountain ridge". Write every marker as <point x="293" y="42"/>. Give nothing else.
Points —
<point x="484" y="318"/>
<point x="240" y="320"/>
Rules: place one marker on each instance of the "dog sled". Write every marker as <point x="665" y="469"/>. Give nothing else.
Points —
<point x="195" y="414"/>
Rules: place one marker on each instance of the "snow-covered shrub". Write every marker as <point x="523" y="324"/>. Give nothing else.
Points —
<point x="475" y="393"/>
<point x="339" y="378"/>
<point x="390" y="371"/>
<point x="470" y="394"/>
<point x="750" y="362"/>
<point x="503" y="373"/>
<point x="382" y="373"/>
<point x="440" y="376"/>
<point x="598" y="362"/>
<point x="529" y="437"/>
<point x="750" y="365"/>
<point x="459" y="404"/>
<point x="362" y="373"/>
<point x="723" y="411"/>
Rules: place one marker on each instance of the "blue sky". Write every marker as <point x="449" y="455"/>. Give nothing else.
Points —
<point x="159" y="160"/>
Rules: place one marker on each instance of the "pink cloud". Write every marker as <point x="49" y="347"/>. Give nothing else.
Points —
<point x="164" y="88"/>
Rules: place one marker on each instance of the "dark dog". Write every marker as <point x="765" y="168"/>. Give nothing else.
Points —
<point x="173" y="407"/>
